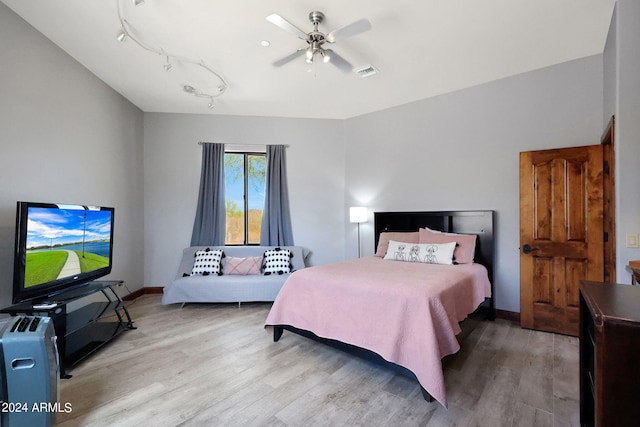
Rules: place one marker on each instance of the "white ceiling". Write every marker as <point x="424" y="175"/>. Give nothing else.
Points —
<point x="422" y="48"/>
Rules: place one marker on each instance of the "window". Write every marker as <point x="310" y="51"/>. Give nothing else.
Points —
<point x="245" y="175"/>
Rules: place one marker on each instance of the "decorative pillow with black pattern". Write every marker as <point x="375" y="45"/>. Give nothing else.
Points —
<point x="208" y="261"/>
<point x="277" y="261"/>
<point x="430" y="253"/>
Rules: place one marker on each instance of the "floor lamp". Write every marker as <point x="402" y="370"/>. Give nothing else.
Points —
<point x="358" y="214"/>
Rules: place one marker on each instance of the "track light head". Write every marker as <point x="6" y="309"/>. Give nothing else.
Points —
<point x="122" y="35"/>
<point x="138" y="2"/>
<point x="168" y="66"/>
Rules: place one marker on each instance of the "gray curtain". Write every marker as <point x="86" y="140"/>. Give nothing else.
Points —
<point x="209" y="225"/>
<point x="276" y="219"/>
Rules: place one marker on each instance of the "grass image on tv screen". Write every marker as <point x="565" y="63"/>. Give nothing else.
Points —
<point x="45" y="266"/>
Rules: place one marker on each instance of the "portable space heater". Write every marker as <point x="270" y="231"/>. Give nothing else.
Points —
<point x="30" y="372"/>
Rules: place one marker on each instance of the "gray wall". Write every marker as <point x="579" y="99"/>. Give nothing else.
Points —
<point x="65" y="137"/>
<point x="622" y="92"/>
<point x="461" y="151"/>
<point x="315" y="169"/>
<point x="610" y="60"/>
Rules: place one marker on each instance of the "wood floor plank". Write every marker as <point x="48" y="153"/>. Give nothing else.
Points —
<point x="526" y="415"/>
<point x="215" y="365"/>
<point x="536" y="382"/>
<point x="411" y="414"/>
<point x="566" y="381"/>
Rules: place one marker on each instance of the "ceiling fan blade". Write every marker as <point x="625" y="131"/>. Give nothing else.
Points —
<point x="278" y="20"/>
<point x="350" y="30"/>
<point x="337" y="60"/>
<point x="289" y="58"/>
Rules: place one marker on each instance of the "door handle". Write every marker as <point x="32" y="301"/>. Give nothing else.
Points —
<point x="526" y="249"/>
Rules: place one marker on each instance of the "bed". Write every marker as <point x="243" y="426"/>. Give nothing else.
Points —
<point x="402" y="314"/>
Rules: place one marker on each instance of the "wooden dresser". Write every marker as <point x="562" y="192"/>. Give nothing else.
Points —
<point x="609" y="354"/>
<point x="634" y="266"/>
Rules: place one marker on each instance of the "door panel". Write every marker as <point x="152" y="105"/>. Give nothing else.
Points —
<point x="561" y="234"/>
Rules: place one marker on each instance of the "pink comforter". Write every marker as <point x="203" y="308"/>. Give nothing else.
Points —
<point x="406" y="312"/>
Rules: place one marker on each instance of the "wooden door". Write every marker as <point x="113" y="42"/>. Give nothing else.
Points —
<point x="561" y="234"/>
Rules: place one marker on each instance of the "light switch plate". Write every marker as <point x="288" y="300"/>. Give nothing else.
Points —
<point x="632" y="241"/>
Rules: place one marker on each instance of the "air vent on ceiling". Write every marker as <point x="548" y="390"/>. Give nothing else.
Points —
<point x="366" y="71"/>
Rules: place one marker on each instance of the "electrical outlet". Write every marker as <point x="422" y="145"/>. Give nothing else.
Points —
<point x="632" y="241"/>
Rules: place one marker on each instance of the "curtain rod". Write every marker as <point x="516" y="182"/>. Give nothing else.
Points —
<point x="244" y="145"/>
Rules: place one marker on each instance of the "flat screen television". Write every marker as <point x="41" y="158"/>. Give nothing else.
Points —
<point x="59" y="247"/>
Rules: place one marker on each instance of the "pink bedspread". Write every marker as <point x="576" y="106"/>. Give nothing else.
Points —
<point x="406" y="312"/>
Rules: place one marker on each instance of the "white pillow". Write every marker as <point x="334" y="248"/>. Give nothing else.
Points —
<point x="207" y="262"/>
<point x="277" y="261"/>
<point x="430" y="253"/>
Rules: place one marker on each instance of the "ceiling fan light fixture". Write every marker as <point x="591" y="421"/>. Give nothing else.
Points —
<point x="316" y="39"/>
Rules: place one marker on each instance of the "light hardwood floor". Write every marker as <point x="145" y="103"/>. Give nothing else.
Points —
<point x="214" y="365"/>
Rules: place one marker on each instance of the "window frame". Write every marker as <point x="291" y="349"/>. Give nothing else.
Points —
<point x="245" y="207"/>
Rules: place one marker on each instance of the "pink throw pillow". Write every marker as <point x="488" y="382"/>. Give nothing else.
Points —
<point x="243" y="266"/>
<point x="465" y="249"/>
<point x="399" y="236"/>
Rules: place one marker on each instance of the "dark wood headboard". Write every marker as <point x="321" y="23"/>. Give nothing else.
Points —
<point x="479" y="223"/>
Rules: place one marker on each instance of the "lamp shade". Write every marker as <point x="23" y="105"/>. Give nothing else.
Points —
<point x="357" y="214"/>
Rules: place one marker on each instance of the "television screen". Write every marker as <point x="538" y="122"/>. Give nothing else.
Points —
<point x="59" y="247"/>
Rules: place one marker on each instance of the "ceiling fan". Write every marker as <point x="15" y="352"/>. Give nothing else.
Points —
<point x="316" y="40"/>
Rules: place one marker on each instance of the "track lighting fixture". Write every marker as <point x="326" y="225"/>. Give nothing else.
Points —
<point x="195" y="92"/>
<point x="168" y="66"/>
<point x="122" y="35"/>
<point x="125" y="33"/>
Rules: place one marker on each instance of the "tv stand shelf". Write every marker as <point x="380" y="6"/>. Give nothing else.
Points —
<point x="84" y="330"/>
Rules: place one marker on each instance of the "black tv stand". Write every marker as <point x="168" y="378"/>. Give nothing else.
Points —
<point x="84" y="330"/>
